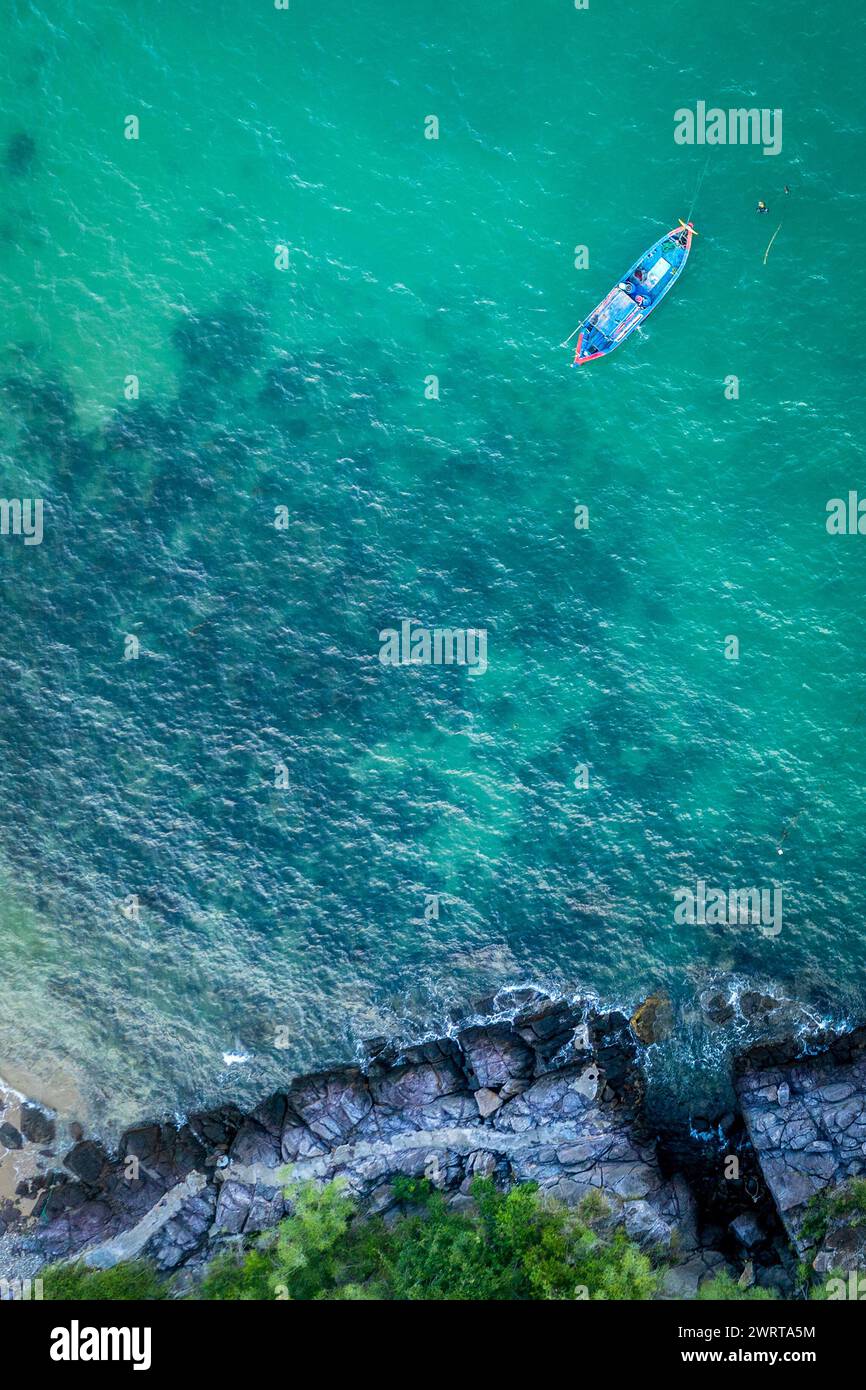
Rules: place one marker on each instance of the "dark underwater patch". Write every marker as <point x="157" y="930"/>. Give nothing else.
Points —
<point x="19" y="157"/>
<point x="287" y="386"/>
<point x="222" y="345"/>
<point x="48" y="428"/>
<point x="142" y="426"/>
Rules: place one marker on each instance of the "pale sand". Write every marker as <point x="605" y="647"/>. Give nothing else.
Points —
<point x="55" y="1091"/>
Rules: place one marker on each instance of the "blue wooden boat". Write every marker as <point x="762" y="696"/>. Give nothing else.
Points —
<point x="639" y="291"/>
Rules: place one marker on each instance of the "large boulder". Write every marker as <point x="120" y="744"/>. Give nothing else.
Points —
<point x="87" y="1160"/>
<point x="646" y="1227"/>
<point x="165" y="1151"/>
<point x="330" y="1104"/>
<point x="653" y="1020"/>
<point x="233" y="1207"/>
<point x="412" y="1087"/>
<point x="807" y="1122"/>
<point x="37" y="1123"/>
<point x="214" y="1129"/>
<point x="299" y="1142"/>
<point x="556" y="1098"/>
<point x="552" y="1029"/>
<point x="682" y="1281"/>
<point x="246" y="1208"/>
<point x="254" y="1144"/>
<point x="748" y="1230"/>
<point x="495" y="1054"/>
<point x="10" y="1137"/>
<point x="185" y="1233"/>
<point x="488" y="1101"/>
<point x="271" y="1113"/>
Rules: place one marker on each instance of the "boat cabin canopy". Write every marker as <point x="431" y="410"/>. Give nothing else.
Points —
<point x="614" y="313"/>
<point x="657" y="272"/>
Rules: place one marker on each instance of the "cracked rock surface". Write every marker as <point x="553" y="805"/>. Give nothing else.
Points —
<point x="807" y="1121"/>
<point x="552" y="1094"/>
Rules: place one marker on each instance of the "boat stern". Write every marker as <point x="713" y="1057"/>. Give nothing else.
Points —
<point x="589" y="346"/>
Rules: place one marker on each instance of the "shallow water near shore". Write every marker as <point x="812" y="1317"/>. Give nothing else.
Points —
<point x="166" y="907"/>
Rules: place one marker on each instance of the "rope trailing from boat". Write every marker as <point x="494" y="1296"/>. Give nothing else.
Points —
<point x="698" y="189"/>
<point x="777" y="231"/>
<point x="772" y="239"/>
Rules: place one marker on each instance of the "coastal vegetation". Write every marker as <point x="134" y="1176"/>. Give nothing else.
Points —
<point x="517" y="1245"/>
<point x="470" y="1229"/>
<point x="495" y="1246"/>
<point x="130" y="1280"/>
<point x="725" y="1288"/>
<point x="843" y="1204"/>
<point x="502" y="1246"/>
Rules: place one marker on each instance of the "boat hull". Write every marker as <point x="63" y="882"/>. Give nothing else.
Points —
<point x="632" y="300"/>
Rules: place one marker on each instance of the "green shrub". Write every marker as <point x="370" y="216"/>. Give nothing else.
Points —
<point x="847" y="1203"/>
<point x="239" y="1274"/>
<point x="321" y="1251"/>
<point x="134" y="1279"/>
<point x="511" y="1246"/>
<point x="518" y="1245"/>
<point x="724" y="1287"/>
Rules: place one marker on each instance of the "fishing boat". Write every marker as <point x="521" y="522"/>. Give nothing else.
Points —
<point x="639" y="291"/>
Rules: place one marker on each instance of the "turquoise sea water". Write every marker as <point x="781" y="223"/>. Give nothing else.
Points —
<point x="303" y="907"/>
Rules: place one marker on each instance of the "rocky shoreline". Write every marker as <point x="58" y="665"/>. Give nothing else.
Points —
<point x="554" y="1093"/>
